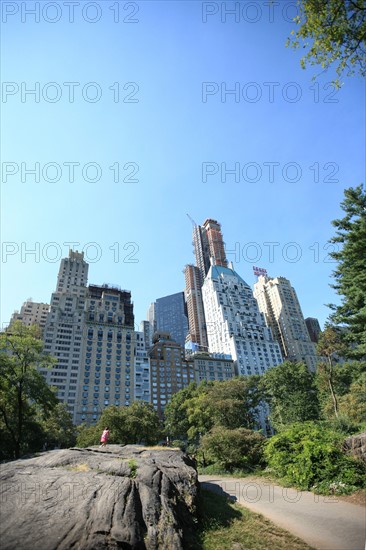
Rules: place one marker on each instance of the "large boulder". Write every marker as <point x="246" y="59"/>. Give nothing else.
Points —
<point x="97" y="498"/>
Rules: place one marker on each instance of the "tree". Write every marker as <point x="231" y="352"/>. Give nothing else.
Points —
<point x="23" y="390"/>
<point x="330" y="343"/>
<point x="230" y="403"/>
<point x="350" y="274"/>
<point x="291" y="393"/>
<point x="142" y="423"/>
<point x="138" y="423"/>
<point x="238" y="448"/>
<point x="353" y="404"/>
<point x="334" y="33"/>
<point x="59" y="430"/>
<point x="234" y="403"/>
<point x="176" y="416"/>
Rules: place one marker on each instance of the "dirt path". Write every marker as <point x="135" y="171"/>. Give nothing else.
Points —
<point x="325" y="523"/>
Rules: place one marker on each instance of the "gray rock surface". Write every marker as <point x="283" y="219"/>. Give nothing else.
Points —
<point x="98" y="498"/>
<point x="356" y="446"/>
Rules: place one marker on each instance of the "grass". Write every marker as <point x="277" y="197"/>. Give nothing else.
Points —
<point x="225" y="525"/>
<point x="133" y="468"/>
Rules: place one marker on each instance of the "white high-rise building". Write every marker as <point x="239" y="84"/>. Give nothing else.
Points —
<point x="32" y="313"/>
<point x="278" y="301"/>
<point x="63" y="333"/>
<point x="142" y="369"/>
<point x="235" y="325"/>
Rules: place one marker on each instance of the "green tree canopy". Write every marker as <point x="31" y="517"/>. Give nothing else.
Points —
<point x="291" y="393"/>
<point x="58" y="428"/>
<point x="138" y="423"/>
<point x="334" y="34"/>
<point x="230" y="403"/>
<point x="350" y="274"/>
<point x="23" y="390"/>
<point x="239" y="448"/>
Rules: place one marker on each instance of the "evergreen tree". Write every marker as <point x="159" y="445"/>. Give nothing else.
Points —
<point x="350" y="274"/>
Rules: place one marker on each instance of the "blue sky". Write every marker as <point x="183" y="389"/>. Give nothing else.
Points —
<point x="141" y="102"/>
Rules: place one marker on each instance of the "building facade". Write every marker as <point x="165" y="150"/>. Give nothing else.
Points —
<point x="278" y="301"/>
<point x="90" y="331"/>
<point x="170" y="372"/>
<point x="142" y="369"/>
<point x="212" y="367"/>
<point x="235" y="325"/>
<point x="170" y="315"/>
<point x="32" y="313"/>
<point x="64" y="329"/>
<point x="197" y="336"/>
<point x="209" y="247"/>
<point x="313" y="326"/>
<point x="107" y="365"/>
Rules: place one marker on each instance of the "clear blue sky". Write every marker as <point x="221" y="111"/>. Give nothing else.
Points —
<point x="297" y="147"/>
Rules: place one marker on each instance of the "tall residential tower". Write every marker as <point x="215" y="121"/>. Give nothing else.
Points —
<point x="278" y="301"/>
<point x="235" y="325"/>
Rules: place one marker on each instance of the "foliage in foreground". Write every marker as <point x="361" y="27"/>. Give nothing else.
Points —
<point x="25" y="397"/>
<point x="309" y="456"/>
<point x="333" y="33"/>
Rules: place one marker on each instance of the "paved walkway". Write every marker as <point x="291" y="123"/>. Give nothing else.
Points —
<point x="325" y="523"/>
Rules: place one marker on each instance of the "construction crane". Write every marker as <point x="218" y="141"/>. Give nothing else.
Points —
<point x="192" y="220"/>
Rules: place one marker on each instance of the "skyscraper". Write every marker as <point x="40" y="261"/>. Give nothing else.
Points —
<point x="208" y="247"/>
<point x="208" y="243"/>
<point x="314" y="329"/>
<point x="197" y="336"/>
<point x="235" y="325"/>
<point x="64" y="328"/>
<point x="107" y="364"/>
<point x="170" y="315"/>
<point x="278" y="301"/>
<point x="32" y="313"/>
<point x="90" y="331"/>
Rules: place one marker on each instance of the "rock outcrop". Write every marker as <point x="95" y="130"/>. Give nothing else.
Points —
<point x="99" y="498"/>
<point x="355" y="445"/>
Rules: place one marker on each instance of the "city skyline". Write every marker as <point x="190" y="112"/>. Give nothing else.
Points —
<point x="142" y="307"/>
<point x="123" y="125"/>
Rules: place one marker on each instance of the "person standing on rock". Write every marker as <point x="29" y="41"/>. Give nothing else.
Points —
<point x="104" y="437"/>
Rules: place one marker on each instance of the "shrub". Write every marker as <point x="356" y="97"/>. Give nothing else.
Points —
<point x="230" y="449"/>
<point x="309" y="455"/>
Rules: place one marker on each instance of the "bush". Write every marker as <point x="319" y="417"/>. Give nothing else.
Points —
<point x="309" y="456"/>
<point x="233" y="449"/>
<point x="180" y="444"/>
